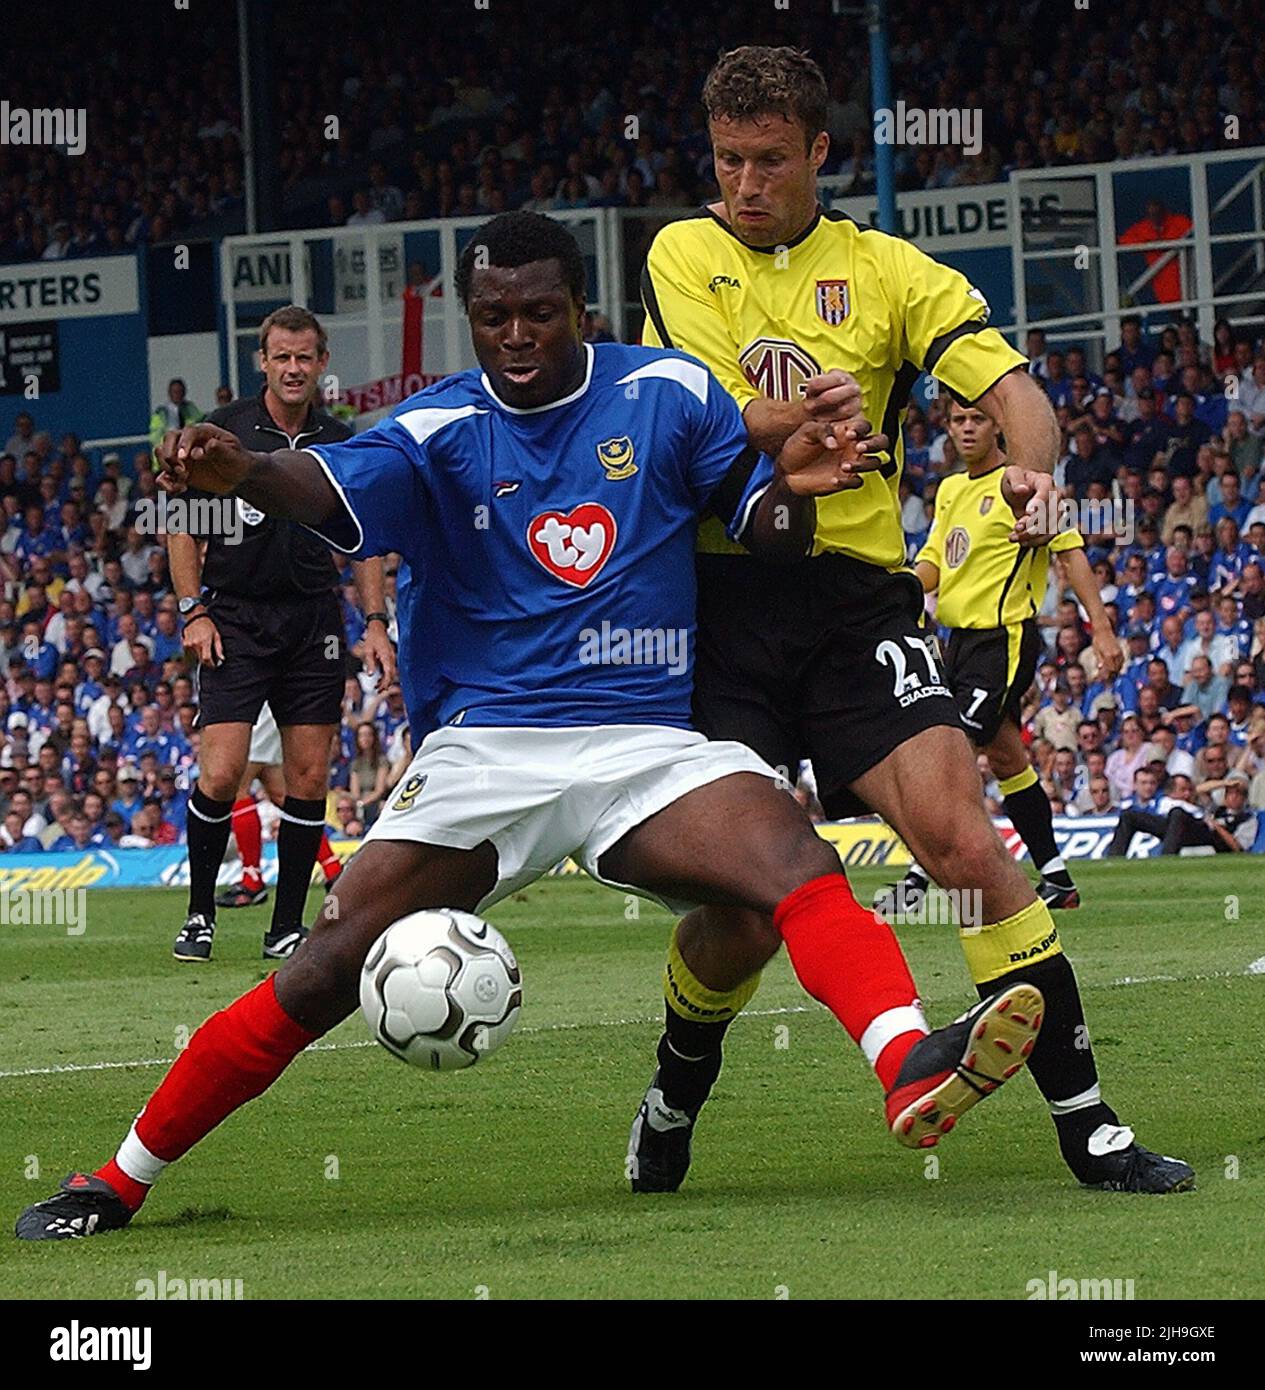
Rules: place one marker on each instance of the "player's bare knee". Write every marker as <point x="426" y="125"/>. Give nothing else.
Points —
<point x="308" y="782"/>
<point x="805" y="858"/>
<point x="974" y="859"/>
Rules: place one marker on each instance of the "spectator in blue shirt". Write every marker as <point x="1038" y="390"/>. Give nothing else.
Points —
<point x="80" y="837"/>
<point x="129" y="799"/>
<point x="39" y="655"/>
<point x="1230" y="555"/>
<point x="38" y="537"/>
<point x="1231" y="624"/>
<point x="1134" y="350"/>
<point x="14" y="839"/>
<point x="1057" y="382"/>
<point x="1232" y="504"/>
<point x="167" y="640"/>
<point x="173" y="800"/>
<point x="1146" y="792"/>
<point x="1205" y="688"/>
<point x="1172" y="593"/>
<point x="1172" y="646"/>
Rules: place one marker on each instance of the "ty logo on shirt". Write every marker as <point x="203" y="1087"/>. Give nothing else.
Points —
<point x="573" y="547"/>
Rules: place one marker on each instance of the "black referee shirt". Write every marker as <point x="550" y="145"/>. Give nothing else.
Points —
<point x="274" y="559"/>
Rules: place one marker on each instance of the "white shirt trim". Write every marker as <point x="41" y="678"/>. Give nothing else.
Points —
<point x="347" y="507"/>
<point x="550" y="405"/>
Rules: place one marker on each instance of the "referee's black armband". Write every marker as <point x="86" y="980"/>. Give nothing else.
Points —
<point x="727" y="498"/>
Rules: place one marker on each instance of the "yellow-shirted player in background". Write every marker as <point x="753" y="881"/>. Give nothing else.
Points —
<point x="989" y="593"/>
<point x="793" y="308"/>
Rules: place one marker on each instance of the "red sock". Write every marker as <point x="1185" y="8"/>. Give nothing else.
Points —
<point x="235" y="1056"/>
<point x="249" y="839"/>
<point x="328" y="860"/>
<point x="849" y="960"/>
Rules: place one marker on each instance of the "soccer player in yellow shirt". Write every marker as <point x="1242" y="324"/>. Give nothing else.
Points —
<point x="794" y="308"/>
<point x="989" y="592"/>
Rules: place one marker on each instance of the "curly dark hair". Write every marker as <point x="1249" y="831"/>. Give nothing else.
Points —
<point x="518" y="238"/>
<point x="758" y="81"/>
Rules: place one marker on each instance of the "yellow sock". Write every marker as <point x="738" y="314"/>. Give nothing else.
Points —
<point x="997" y="948"/>
<point x="687" y="996"/>
<point x="1019" y="782"/>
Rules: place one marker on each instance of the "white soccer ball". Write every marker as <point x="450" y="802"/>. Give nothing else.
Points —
<point x="440" y="989"/>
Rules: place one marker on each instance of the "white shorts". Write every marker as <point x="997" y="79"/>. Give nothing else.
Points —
<point x="265" y="740"/>
<point x="540" y="795"/>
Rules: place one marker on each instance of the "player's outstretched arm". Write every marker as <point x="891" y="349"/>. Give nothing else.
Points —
<point x="1107" y="646"/>
<point x="928" y="576"/>
<point x="1022" y="409"/>
<point x="287" y="484"/>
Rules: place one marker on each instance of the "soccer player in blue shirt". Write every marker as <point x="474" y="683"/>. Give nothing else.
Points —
<point x="545" y="509"/>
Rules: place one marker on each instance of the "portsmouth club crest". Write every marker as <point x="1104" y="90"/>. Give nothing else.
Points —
<point x="616" y="458"/>
<point x="833" y="301"/>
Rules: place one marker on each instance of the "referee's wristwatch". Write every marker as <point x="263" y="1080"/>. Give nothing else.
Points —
<point x="188" y="608"/>
<point x="382" y="618"/>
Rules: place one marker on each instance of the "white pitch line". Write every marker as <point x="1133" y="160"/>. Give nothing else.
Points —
<point x="1256" y="968"/>
<point x="73" y="1067"/>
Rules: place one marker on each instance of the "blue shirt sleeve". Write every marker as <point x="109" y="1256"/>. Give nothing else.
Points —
<point x="717" y="440"/>
<point x="377" y="476"/>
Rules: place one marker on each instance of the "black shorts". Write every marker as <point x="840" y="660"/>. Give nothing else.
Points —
<point x="990" y="670"/>
<point x="825" y="660"/>
<point x="290" y="652"/>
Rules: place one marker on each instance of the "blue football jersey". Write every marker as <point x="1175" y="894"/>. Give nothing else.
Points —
<point x="547" y="554"/>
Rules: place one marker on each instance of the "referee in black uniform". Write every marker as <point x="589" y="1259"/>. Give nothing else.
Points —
<point x="260" y="607"/>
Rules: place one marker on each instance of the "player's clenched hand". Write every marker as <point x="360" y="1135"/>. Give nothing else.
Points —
<point x="823" y="457"/>
<point x="836" y="395"/>
<point x="1033" y="498"/>
<point x="1110" y="654"/>
<point x="203" y="456"/>
<point x="202" y="640"/>
<point x="378" y="655"/>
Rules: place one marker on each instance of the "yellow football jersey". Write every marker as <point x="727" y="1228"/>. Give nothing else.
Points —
<point x="839" y="295"/>
<point x="986" y="580"/>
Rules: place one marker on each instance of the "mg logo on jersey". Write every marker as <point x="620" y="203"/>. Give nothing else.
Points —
<point x="833" y="302"/>
<point x="616" y="458"/>
<point x="956" y="546"/>
<point x="777" y="368"/>
<point x="573" y="546"/>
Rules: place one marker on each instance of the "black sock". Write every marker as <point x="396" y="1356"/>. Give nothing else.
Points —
<point x="689" y="1060"/>
<point x="298" y="839"/>
<point x="1029" y="812"/>
<point x="208" y="831"/>
<point x="1062" y="1062"/>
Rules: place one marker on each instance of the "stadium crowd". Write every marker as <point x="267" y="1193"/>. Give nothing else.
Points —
<point x="549" y="106"/>
<point x="98" y="744"/>
<point x="1166" y="446"/>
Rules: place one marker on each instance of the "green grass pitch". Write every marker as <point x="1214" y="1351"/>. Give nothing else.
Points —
<point x="359" y="1177"/>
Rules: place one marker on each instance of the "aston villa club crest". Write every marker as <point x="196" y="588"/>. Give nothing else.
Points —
<point x="833" y="301"/>
<point x="616" y="458"/>
<point x="985" y="505"/>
